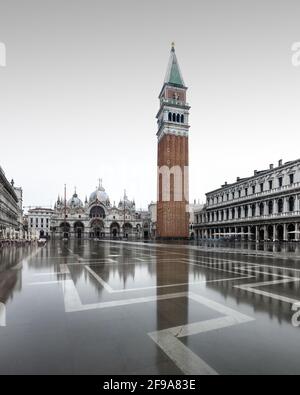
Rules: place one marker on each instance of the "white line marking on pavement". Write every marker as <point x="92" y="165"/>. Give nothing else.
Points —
<point x="185" y="359"/>
<point x="252" y="288"/>
<point x="2" y="314"/>
<point x="46" y="282"/>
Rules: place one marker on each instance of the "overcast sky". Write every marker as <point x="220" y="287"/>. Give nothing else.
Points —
<point x="78" y="96"/>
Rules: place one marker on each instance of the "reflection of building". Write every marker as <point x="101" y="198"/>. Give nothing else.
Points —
<point x="39" y="219"/>
<point x="97" y="218"/>
<point x="10" y="206"/>
<point x="172" y="135"/>
<point x="264" y="206"/>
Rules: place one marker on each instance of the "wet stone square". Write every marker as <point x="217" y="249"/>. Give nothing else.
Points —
<point x="113" y="307"/>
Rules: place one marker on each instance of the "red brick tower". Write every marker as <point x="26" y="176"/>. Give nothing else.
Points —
<point x="173" y="159"/>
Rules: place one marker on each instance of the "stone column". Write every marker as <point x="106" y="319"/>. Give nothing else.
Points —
<point x="285" y="204"/>
<point x="256" y="233"/>
<point x="285" y="234"/>
<point x="249" y="231"/>
<point x="265" y="233"/>
<point x="297" y="236"/>
<point x="296" y="205"/>
<point x="256" y="209"/>
<point x="275" y="208"/>
<point x="274" y="233"/>
<point x="249" y="210"/>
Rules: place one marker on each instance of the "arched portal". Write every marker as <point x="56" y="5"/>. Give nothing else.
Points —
<point x="280" y="233"/>
<point x="97" y="228"/>
<point x="127" y="229"/>
<point x="270" y="232"/>
<point x="78" y="229"/>
<point x="65" y="229"/>
<point x="291" y="231"/>
<point x="261" y="234"/>
<point x="114" y="230"/>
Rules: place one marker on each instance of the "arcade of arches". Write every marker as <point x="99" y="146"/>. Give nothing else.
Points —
<point x="270" y="232"/>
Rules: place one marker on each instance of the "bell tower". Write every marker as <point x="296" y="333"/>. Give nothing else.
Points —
<point x="173" y="156"/>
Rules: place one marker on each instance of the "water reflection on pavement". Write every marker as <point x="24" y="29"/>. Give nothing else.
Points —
<point x="101" y="307"/>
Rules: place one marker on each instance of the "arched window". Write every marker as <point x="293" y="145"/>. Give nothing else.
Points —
<point x="174" y="117"/>
<point x="182" y="118"/>
<point x="233" y="213"/>
<point x="270" y="206"/>
<point x="291" y="203"/>
<point x="178" y="118"/>
<point x="280" y="205"/>
<point x="261" y="209"/>
<point x="227" y="214"/>
<point x="253" y="210"/>
<point x="170" y="116"/>
<point x="246" y="211"/>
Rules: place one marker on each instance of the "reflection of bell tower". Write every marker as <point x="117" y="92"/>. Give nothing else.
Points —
<point x="172" y="135"/>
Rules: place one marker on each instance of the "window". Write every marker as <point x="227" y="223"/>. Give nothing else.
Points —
<point x="182" y="118"/>
<point x="232" y="195"/>
<point x="280" y="205"/>
<point x="239" y="194"/>
<point x="170" y="116"/>
<point x="178" y="118"/>
<point x="261" y="187"/>
<point x="261" y="209"/>
<point x="246" y="191"/>
<point x="227" y="196"/>
<point x="253" y="210"/>
<point x="270" y="206"/>
<point x="291" y="203"/>
<point x="280" y="182"/>
<point x="253" y="188"/>
<point x="270" y="184"/>
<point x="291" y="178"/>
<point x="174" y="117"/>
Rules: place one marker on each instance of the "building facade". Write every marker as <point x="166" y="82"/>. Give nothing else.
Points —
<point x="10" y="207"/>
<point x="263" y="207"/>
<point x="98" y="218"/>
<point x="172" y="158"/>
<point x="39" y="219"/>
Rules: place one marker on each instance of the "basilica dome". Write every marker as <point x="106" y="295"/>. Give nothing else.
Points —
<point x="75" y="202"/>
<point x="99" y="195"/>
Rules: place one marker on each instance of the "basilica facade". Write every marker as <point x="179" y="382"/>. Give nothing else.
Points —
<point x="97" y="218"/>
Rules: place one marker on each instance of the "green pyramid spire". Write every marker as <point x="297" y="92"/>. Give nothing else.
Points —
<point x="173" y="75"/>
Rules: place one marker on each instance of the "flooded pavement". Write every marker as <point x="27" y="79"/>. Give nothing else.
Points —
<point x="101" y="307"/>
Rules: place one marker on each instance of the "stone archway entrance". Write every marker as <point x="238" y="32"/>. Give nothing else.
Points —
<point x="291" y="228"/>
<point x="79" y="230"/>
<point x="97" y="229"/>
<point x="127" y="230"/>
<point x="65" y="230"/>
<point x="261" y="234"/>
<point x="280" y="232"/>
<point x="114" y="230"/>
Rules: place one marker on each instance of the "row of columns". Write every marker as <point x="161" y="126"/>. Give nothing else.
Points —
<point x="211" y="232"/>
<point x="257" y="213"/>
